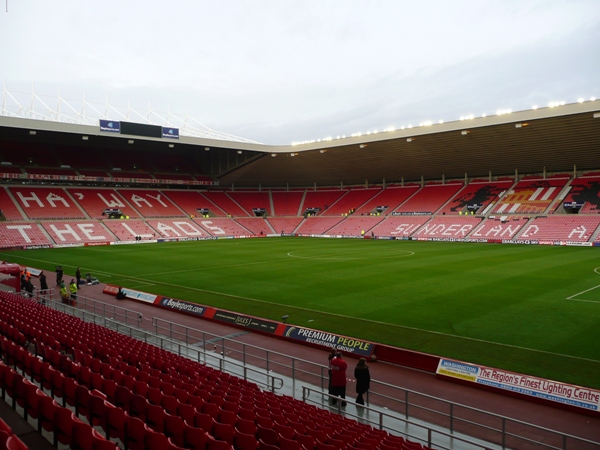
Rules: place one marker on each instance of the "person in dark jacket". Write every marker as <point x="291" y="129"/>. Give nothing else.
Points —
<point x="78" y="277"/>
<point x="43" y="282"/>
<point x="363" y="380"/>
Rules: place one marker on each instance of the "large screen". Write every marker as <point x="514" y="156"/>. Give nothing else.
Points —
<point x="140" y="129"/>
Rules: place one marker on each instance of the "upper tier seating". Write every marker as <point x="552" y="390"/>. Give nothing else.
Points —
<point x="355" y="225"/>
<point x="192" y="201"/>
<point x="285" y="225"/>
<point x="351" y="200"/>
<point x="94" y="173"/>
<point x="250" y="200"/>
<point x="51" y="171"/>
<point x="177" y="228"/>
<point x="225" y="203"/>
<point x="571" y="227"/>
<point x="530" y="196"/>
<point x="321" y="199"/>
<point x="287" y="203"/>
<point x="390" y="197"/>
<point x="46" y="203"/>
<point x="318" y="224"/>
<point x="125" y="174"/>
<point x="127" y="230"/>
<point x="586" y="190"/>
<point x="78" y="232"/>
<point x="429" y="198"/>
<point x="222" y="226"/>
<point x="399" y="226"/>
<point x="23" y="154"/>
<point x="448" y="227"/>
<point x="8" y="207"/>
<point x="95" y="201"/>
<point x="499" y="227"/>
<point x="151" y="203"/>
<point x="16" y="234"/>
<point x="476" y="193"/>
<point x="257" y="225"/>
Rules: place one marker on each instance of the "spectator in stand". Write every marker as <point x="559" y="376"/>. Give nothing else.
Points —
<point x="363" y="380"/>
<point x="338" y="378"/>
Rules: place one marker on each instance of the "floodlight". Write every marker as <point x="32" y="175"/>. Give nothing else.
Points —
<point x="84" y="138"/>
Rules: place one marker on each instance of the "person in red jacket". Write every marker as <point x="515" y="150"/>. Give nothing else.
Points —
<point x="338" y="378"/>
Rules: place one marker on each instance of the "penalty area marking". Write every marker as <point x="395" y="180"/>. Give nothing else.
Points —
<point x="572" y="297"/>
<point x="363" y="256"/>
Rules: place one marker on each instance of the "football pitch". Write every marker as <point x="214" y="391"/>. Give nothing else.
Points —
<point x="526" y="308"/>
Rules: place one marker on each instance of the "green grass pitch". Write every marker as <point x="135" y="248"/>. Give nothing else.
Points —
<point x="529" y="309"/>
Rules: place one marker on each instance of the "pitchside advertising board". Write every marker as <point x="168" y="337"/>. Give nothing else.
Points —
<point x="315" y="337"/>
<point x="568" y="394"/>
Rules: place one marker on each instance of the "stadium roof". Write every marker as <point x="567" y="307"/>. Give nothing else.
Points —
<point x="551" y="139"/>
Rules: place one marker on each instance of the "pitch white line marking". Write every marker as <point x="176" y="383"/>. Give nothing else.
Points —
<point x="587" y="290"/>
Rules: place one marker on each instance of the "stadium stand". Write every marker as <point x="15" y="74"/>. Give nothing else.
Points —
<point x="94" y="173"/>
<point x="225" y="203"/>
<point x="192" y="202"/>
<point x="318" y="225"/>
<point x="351" y="201"/>
<point x="49" y="171"/>
<point x="251" y="200"/>
<point x="429" y="198"/>
<point x="127" y="230"/>
<point x="389" y="199"/>
<point x="448" y="227"/>
<point x="46" y="203"/>
<point x="571" y="227"/>
<point x="355" y="225"/>
<point x="151" y="203"/>
<point x="586" y="191"/>
<point x="321" y="199"/>
<point x="499" y="227"/>
<point x="400" y="226"/>
<point x="218" y="226"/>
<point x="83" y="377"/>
<point x="9" y="209"/>
<point x="530" y="196"/>
<point x="96" y="201"/>
<point x="78" y="232"/>
<point x="285" y="225"/>
<point x="177" y="228"/>
<point x="477" y="194"/>
<point x="17" y="234"/>
<point x="287" y="203"/>
<point x="257" y="225"/>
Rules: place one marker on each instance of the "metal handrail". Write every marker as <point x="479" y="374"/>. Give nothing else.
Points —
<point x="180" y="335"/>
<point x="273" y="383"/>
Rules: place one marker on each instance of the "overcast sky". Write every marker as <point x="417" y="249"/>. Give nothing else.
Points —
<point x="282" y="71"/>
